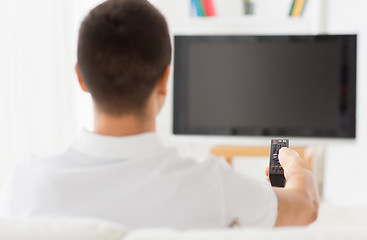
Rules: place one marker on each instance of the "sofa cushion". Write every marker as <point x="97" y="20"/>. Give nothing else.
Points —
<point x="253" y="234"/>
<point x="60" y="229"/>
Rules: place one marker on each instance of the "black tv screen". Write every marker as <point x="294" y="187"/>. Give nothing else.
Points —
<point x="300" y="86"/>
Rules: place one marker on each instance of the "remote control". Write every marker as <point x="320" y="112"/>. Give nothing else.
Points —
<point x="276" y="172"/>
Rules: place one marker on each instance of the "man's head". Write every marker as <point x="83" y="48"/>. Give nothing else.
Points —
<point x="123" y="50"/>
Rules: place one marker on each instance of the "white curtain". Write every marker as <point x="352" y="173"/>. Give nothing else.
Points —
<point x="41" y="105"/>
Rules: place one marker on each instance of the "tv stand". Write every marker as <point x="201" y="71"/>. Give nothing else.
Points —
<point x="229" y="152"/>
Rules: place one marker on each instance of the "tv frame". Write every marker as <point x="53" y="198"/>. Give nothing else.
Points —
<point x="179" y="129"/>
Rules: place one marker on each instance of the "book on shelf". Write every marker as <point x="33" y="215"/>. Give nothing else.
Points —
<point x="209" y="8"/>
<point x="203" y="8"/>
<point x="297" y="8"/>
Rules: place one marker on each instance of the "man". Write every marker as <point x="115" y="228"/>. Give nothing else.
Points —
<point x="120" y="171"/>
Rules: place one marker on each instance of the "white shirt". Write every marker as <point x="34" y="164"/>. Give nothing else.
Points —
<point x="138" y="182"/>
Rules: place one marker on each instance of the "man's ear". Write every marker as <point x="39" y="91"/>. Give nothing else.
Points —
<point x="80" y="79"/>
<point x="163" y="81"/>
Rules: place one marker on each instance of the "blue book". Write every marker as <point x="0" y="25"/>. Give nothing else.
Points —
<point x="198" y="6"/>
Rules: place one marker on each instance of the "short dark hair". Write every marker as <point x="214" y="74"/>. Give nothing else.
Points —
<point x="124" y="48"/>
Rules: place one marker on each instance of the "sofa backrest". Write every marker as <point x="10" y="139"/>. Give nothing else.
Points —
<point x="60" y="229"/>
<point x="95" y="229"/>
<point x="251" y="234"/>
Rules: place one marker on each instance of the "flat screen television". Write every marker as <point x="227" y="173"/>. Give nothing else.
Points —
<point x="296" y="86"/>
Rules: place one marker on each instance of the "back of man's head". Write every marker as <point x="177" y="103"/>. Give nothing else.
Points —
<point x="123" y="50"/>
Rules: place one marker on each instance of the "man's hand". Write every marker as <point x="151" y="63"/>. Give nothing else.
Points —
<point x="298" y="201"/>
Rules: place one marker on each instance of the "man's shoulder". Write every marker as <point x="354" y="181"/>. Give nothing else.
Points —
<point x="44" y="160"/>
<point x="204" y="166"/>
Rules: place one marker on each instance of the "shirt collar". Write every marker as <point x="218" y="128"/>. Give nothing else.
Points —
<point x="102" y="146"/>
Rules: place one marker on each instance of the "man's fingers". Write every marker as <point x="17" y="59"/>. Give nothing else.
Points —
<point x="286" y="153"/>
<point x="291" y="161"/>
<point x="267" y="174"/>
<point x="267" y="171"/>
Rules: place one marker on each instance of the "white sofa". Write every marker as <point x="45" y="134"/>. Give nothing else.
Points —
<point x="60" y="229"/>
<point x="334" y="223"/>
<point x="252" y="234"/>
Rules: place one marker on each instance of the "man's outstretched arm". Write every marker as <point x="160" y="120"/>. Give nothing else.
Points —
<point x="298" y="201"/>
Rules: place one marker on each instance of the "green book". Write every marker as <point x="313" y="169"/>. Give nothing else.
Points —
<point x="292" y="6"/>
<point x="201" y="8"/>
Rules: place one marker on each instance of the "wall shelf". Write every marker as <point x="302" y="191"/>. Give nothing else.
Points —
<point x="270" y="17"/>
<point x="253" y="24"/>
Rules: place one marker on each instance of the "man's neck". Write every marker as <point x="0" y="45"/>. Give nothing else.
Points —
<point x="126" y="125"/>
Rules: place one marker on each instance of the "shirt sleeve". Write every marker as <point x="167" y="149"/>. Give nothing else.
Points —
<point x="247" y="201"/>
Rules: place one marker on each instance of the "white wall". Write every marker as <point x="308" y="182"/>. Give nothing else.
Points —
<point x="345" y="177"/>
<point x="36" y="114"/>
<point x="41" y="106"/>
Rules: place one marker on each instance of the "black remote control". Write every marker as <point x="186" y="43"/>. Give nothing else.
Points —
<point x="276" y="171"/>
